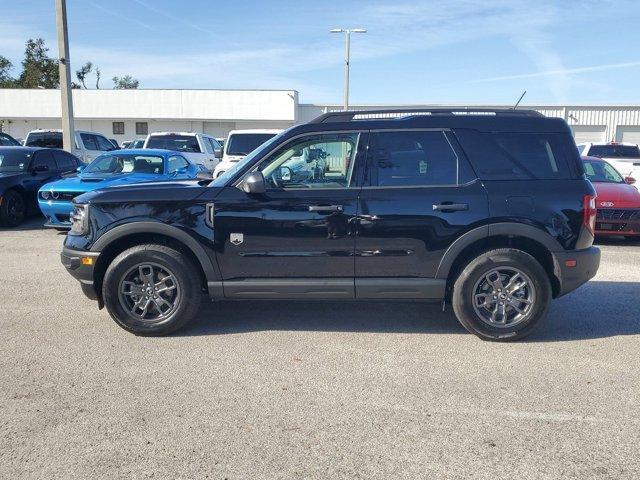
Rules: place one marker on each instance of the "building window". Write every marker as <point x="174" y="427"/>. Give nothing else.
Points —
<point x="142" y="128"/>
<point x="118" y="128"/>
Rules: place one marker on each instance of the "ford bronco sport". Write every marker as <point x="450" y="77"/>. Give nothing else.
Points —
<point x="486" y="210"/>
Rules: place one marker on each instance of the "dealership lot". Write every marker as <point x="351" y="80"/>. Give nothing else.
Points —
<point x="294" y="390"/>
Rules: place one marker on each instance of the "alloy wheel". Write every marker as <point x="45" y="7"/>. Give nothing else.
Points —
<point x="149" y="292"/>
<point x="504" y="297"/>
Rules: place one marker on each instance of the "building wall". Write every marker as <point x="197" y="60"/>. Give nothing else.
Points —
<point x="218" y="111"/>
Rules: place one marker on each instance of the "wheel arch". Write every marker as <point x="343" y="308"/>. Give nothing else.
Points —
<point x="117" y="240"/>
<point x="527" y="238"/>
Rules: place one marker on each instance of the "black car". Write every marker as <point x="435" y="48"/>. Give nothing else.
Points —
<point x="487" y="210"/>
<point x="23" y="170"/>
<point x="7" y="140"/>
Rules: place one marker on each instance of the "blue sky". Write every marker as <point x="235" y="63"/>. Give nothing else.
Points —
<point x="453" y="51"/>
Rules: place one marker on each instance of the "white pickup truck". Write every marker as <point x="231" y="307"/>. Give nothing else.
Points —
<point x="625" y="157"/>
<point x="200" y="148"/>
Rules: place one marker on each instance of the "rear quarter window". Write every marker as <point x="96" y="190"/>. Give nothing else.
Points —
<point x="521" y="156"/>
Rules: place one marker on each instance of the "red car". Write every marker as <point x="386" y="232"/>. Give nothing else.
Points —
<point x="618" y="201"/>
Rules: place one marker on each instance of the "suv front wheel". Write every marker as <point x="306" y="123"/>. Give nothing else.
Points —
<point x="151" y="290"/>
<point x="502" y="295"/>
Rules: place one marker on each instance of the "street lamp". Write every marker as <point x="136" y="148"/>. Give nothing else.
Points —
<point x="347" y="55"/>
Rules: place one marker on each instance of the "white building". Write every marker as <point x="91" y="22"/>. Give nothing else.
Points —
<point x="128" y="114"/>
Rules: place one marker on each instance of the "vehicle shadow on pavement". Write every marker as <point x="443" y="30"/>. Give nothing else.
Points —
<point x="328" y="316"/>
<point x="596" y="310"/>
<point x="31" y="223"/>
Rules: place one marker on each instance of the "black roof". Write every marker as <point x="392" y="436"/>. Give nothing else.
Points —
<point x="507" y="120"/>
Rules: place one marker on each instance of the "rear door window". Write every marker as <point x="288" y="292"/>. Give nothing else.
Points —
<point x="521" y="156"/>
<point x="66" y="162"/>
<point x="104" y="144"/>
<point x="90" y="142"/>
<point x="45" y="157"/>
<point x="414" y="158"/>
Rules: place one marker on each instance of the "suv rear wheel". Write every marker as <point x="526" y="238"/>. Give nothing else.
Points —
<point x="502" y="295"/>
<point x="151" y="290"/>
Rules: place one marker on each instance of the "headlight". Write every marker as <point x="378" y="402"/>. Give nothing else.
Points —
<point x="79" y="219"/>
<point x="45" y="195"/>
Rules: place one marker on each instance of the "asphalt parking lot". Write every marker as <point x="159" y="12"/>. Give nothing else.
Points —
<point x="313" y="390"/>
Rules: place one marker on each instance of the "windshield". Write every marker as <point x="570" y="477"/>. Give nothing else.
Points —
<point x="224" y="178"/>
<point x="245" y="143"/>
<point x="8" y="141"/>
<point x="137" y="144"/>
<point x="615" y="151"/>
<point x="178" y="143"/>
<point x="14" y="161"/>
<point x="602" y="172"/>
<point x="44" y="139"/>
<point x="125" y="163"/>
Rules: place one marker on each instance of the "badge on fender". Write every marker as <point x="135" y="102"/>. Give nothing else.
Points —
<point x="236" y="238"/>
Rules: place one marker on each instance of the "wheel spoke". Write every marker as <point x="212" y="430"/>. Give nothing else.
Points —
<point x="494" y="279"/>
<point x="163" y="286"/>
<point x="515" y="283"/>
<point x="146" y="274"/>
<point x="487" y="300"/>
<point x="131" y="288"/>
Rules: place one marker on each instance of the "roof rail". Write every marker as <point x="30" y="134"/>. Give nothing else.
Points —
<point x="397" y="114"/>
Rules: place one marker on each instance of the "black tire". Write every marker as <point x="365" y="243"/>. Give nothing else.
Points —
<point x="13" y="209"/>
<point x="187" y="291"/>
<point x="474" y="281"/>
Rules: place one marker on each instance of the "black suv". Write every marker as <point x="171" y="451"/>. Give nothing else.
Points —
<point x="488" y="210"/>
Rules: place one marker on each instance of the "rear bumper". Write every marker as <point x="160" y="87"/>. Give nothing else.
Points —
<point x="586" y="266"/>
<point x="72" y="260"/>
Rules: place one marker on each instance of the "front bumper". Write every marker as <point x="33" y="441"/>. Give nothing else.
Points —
<point x="586" y="266"/>
<point x="56" y="212"/>
<point x="80" y="264"/>
<point x="620" y="221"/>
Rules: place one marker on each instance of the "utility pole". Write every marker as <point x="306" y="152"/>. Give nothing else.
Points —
<point x="347" y="58"/>
<point x="68" y="134"/>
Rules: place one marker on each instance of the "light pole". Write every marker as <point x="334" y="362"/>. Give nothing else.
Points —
<point x="68" y="135"/>
<point x="347" y="57"/>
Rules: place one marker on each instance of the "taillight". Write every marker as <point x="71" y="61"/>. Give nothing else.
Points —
<point x="589" y="209"/>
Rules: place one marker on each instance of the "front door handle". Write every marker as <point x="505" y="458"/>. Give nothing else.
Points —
<point x="326" y="208"/>
<point x="450" y="207"/>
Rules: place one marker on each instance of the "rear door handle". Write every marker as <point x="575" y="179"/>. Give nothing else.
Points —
<point x="450" y="207"/>
<point x="326" y="208"/>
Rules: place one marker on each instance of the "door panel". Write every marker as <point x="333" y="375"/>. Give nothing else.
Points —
<point x="401" y="235"/>
<point x="422" y="197"/>
<point x="276" y="235"/>
<point x="302" y="227"/>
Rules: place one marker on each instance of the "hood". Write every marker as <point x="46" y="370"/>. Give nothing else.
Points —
<point x="163" y="191"/>
<point x="620" y="195"/>
<point x="88" y="182"/>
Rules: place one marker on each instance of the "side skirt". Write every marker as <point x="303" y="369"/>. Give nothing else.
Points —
<point x="330" y="288"/>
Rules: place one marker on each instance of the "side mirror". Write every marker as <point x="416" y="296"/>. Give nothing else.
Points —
<point x="254" y="183"/>
<point x="217" y="153"/>
<point x="179" y="171"/>
<point x="80" y="168"/>
<point x="629" y="180"/>
<point x="40" y="168"/>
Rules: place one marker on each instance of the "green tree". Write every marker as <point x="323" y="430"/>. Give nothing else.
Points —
<point x="6" y="80"/>
<point x="81" y="74"/>
<point x="38" y="69"/>
<point x="126" y="82"/>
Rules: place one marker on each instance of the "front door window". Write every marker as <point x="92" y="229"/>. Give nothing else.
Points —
<point x="317" y="161"/>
